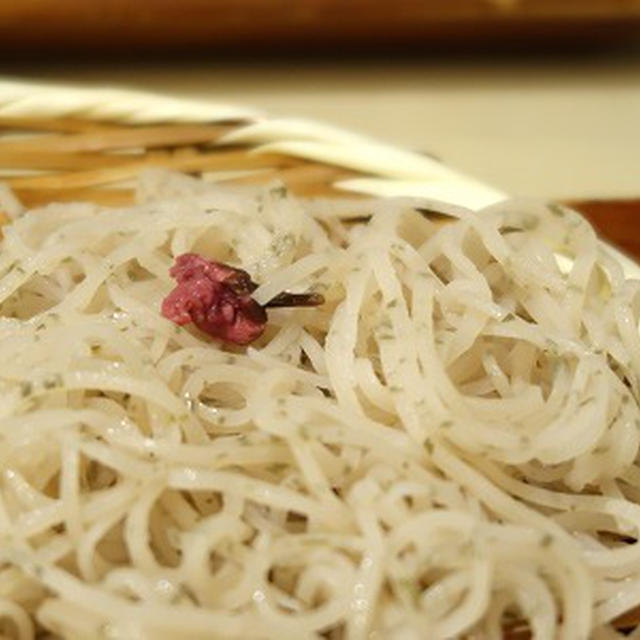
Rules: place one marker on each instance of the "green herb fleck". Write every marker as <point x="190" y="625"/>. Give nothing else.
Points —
<point x="556" y="209"/>
<point x="304" y="431"/>
<point x="411" y="588"/>
<point x="279" y="191"/>
<point x="546" y="540"/>
<point x="53" y="381"/>
<point x="26" y="387"/>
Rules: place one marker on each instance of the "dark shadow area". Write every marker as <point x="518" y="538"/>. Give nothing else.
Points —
<point x="553" y="56"/>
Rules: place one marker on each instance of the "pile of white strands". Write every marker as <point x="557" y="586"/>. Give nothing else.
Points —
<point x="446" y="448"/>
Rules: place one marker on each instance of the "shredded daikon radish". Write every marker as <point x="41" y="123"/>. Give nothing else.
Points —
<point x="446" y="448"/>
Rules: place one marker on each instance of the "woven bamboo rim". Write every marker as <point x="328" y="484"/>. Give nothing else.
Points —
<point x="70" y="159"/>
<point x="61" y="159"/>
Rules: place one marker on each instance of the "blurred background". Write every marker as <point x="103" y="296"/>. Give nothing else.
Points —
<point x="538" y="97"/>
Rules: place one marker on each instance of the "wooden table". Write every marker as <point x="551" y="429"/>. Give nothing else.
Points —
<point x="616" y="220"/>
<point x="121" y="25"/>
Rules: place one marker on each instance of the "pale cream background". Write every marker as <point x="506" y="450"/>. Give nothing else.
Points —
<point x="553" y="128"/>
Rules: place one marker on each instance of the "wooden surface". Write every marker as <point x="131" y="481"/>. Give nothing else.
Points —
<point x="123" y="25"/>
<point x="616" y="220"/>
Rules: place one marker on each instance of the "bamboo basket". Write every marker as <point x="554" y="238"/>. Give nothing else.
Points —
<point x="61" y="144"/>
<point x="75" y="144"/>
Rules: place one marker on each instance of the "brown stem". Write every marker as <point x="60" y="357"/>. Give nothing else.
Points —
<point x="286" y="299"/>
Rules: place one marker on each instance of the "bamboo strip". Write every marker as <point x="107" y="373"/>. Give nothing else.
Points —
<point x="302" y="176"/>
<point x="122" y="138"/>
<point x="104" y="197"/>
<point x="60" y="161"/>
<point x="54" y="125"/>
<point x="221" y="161"/>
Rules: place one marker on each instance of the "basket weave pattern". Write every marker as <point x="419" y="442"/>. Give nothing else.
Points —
<point x="64" y="159"/>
